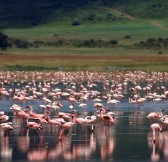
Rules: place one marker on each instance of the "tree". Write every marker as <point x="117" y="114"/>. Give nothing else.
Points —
<point x="114" y="42"/>
<point x="3" y="41"/>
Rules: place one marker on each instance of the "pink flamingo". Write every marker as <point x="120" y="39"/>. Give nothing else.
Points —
<point x="15" y="108"/>
<point x="164" y="121"/>
<point x="72" y="100"/>
<point x="132" y="101"/>
<point x="98" y="105"/>
<point x="6" y="127"/>
<point x="87" y="121"/>
<point x="90" y="121"/>
<point x="2" y="113"/>
<point x="155" y="127"/>
<point x="23" y="114"/>
<point x="155" y="115"/>
<point x="3" y="117"/>
<point x="140" y="102"/>
<point x="65" y="116"/>
<point x="34" y="115"/>
<point x="154" y="155"/>
<point x="36" y="126"/>
<point x="66" y="125"/>
<point x="137" y="101"/>
<point x="54" y="121"/>
<point x="113" y="102"/>
<point x="108" y="119"/>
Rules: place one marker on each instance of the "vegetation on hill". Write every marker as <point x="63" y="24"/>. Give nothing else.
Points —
<point x="28" y="13"/>
<point x="106" y="30"/>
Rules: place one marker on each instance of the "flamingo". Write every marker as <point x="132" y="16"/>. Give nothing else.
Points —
<point x="82" y="105"/>
<point x="37" y="94"/>
<point x="137" y="101"/>
<point x="98" y="105"/>
<point x="34" y="115"/>
<point x="155" y="127"/>
<point x="15" y="108"/>
<point x="113" y="102"/>
<point x="3" y="117"/>
<point x="164" y="117"/>
<point x="132" y="101"/>
<point x="164" y="121"/>
<point x="64" y="126"/>
<point x="6" y="127"/>
<point x="65" y="116"/>
<point x="140" y="101"/>
<point x="71" y="106"/>
<point x="107" y="117"/>
<point x="91" y="120"/>
<point x="72" y="100"/>
<point x="54" y="121"/>
<point x="97" y="100"/>
<point x="2" y="113"/>
<point x="46" y="100"/>
<point x="55" y="106"/>
<point x="36" y="126"/>
<point x="42" y="107"/>
<point x="155" y="115"/>
<point x="154" y="154"/>
<point x="87" y="121"/>
<point x="23" y="114"/>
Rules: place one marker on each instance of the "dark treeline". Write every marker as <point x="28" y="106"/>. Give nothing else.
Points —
<point x="27" y="13"/>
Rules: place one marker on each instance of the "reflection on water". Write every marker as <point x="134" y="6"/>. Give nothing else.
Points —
<point x="129" y="139"/>
<point x="6" y="150"/>
<point x="159" y="150"/>
<point x="76" y="145"/>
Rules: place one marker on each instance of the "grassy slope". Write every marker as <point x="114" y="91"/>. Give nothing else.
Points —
<point x="94" y="25"/>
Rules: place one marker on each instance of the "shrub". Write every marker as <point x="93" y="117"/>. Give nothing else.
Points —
<point x="4" y="41"/>
<point x="114" y="42"/>
<point x="76" y="23"/>
<point x="127" y="37"/>
<point x="21" y="43"/>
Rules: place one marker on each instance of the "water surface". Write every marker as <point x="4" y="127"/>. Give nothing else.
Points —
<point x="129" y="139"/>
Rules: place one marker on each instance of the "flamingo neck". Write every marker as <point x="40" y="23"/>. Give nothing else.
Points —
<point x="160" y="114"/>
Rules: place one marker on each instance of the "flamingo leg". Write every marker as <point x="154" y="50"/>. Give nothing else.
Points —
<point x="154" y="136"/>
<point x="40" y="135"/>
<point x="22" y="126"/>
<point x="27" y="132"/>
<point x="92" y="128"/>
<point x="5" y="133"/>
<point x="61" y="134"/>
<point x="86" y="131"/>
<point x="34" y="137"/>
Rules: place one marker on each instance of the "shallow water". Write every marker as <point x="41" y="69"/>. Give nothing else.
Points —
<point x="130" y="139"/>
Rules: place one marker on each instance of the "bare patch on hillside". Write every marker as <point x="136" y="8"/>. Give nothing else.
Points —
<point x="118" y="12"/>
<point x="158" y="24"/>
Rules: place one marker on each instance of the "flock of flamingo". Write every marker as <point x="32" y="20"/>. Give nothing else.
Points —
<point x="104" y="88"/>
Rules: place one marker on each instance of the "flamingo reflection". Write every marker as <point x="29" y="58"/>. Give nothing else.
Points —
<point x="6" y="150"/>
<point x="84" y="150"/>
<point x="23" y="143"/>
<point x="155" y="127"/>
<point x="155" y="151"/>
<point x="165" y="145"/>
<point x="40" y="154"/>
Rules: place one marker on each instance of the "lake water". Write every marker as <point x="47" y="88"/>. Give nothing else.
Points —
<point x="129" y="139"/>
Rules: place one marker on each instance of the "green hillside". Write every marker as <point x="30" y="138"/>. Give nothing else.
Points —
<point x="85" y="23"/>
<point x="28" y="13"/>
<point x="77" y="34"/>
